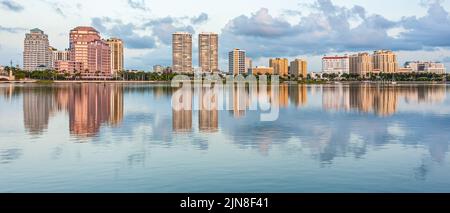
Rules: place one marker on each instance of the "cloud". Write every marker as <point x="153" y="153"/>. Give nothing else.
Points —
<point x="11" y="29"/>
<point x="328" y="29"/>
<point x="446" y="60"/>
<point x="202" y="18"/>
<point x="11" y="5"/>
<point x="163" y="28"/>
<point x="116" y="28"/>
<point x="59" y="12"/>
<point x="432" y="30"/>
<point x="260" y="24"/>
<point x="137" y="4"/>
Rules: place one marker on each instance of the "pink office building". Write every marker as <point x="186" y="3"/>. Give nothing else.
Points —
<point x="70" y="67"/>
<point x="87" y="47"/>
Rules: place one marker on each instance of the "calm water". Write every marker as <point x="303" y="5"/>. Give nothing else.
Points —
<point x="127" y="138"/>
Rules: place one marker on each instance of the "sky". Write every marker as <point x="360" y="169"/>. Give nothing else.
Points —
<point x="308" y="29"/>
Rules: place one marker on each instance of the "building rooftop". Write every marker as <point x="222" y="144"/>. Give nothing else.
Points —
<point x="36" y="30"/>
<point x="182" y="33"/>
<point x="84" y="28"/>
<point x="335" y="57"/>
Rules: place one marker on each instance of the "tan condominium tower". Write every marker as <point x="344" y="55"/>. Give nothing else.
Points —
<point x="116" y="46"/>
<point x="236" y="62"/>
<point x="36" y="54"/>
<point x="299" y="68"/>
<point x="182" y="52"/>
<point x="384" y="61"/>
<point x="280" y="66"/>
<point x="361" y="64"/>
<point x="208" y="45"/>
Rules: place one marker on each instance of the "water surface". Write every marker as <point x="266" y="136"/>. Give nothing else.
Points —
<point x="127" y="138"/>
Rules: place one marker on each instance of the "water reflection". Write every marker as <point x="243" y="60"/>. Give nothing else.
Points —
<point x="361" y="123"/>
<point x="89" y="106"/>
<point x="378" y="99"/>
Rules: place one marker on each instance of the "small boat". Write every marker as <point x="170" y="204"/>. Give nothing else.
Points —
<point x="394" y="83"/>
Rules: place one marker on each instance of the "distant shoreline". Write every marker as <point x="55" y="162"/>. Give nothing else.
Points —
<point x="168" y="82"/>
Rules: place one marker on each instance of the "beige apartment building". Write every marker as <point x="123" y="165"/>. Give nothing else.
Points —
<point x="36" y="54"/>
<point x="116" y="46"/>
<point x="262" y="71"/>
<point x="384" y="61"/>
<point x="299" y="68"/>
<point x="59" y="55"/>
<point x="280" y="66"/>
<point x="208" y="50"/>
<point x="361" y="64"/>
<point x="236" y="62"/>
<point x="182" y="52"/>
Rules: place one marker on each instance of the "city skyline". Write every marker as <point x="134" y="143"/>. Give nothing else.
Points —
<point x="265" y="36"/>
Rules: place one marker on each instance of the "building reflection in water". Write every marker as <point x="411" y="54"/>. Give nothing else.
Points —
<point x="284" y="96"/>
<point x="298" y="95"/>
<point x="89" y="106"/>
<point x="38" y="105"/>
<point x="182" y="110"/>
<point x="378" y="99"/>
<point x="208" y="118"/>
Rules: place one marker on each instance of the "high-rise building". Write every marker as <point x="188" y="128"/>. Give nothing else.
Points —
<point x="299" y="68"/>
<point x="116" y="46"/>
<point x="236" y="62"/>
<point x="59" y="55"/>
<point x="248" y="65"/>
<point x="87" y="47"/>
<point x="182" y="52"/>
<point x="208" y="50"/>
<point x="36" y="54"/>
<point x="384" y="61"/>
<point x="426" y="66"/>
<point x="280" y="66"/>
<point x="361" y="64"/>
<point x="336" y="64"/>
<point x="99" y="58"/>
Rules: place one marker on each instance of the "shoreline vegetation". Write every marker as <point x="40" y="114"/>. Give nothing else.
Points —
<point x="51" y="76"/>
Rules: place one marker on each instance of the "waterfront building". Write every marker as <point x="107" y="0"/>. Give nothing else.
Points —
<point x="71" y="67"/>
<point x="182" y="52"/>
<point x="299" y="68"/>
<point x="236" y="62"/>
<point x="426" y="66"/>
<point x="361" y="64"/>
<point x="208" y="50"/>
<point x="336" y="64"/>
<point x="158" y="69"/>
<point x="116" y="48"/>
<point x="384" y="61"/>
<point x="248" y="65"/>
<point x="87" y="47"/>
<point x="59" y="55"/>
<point x="404" y="70"/>
<point x="261" y="70"/>
<point x="99" y="59"/>
<point x="280" y="66"/>
<point x="36" y="53"/>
